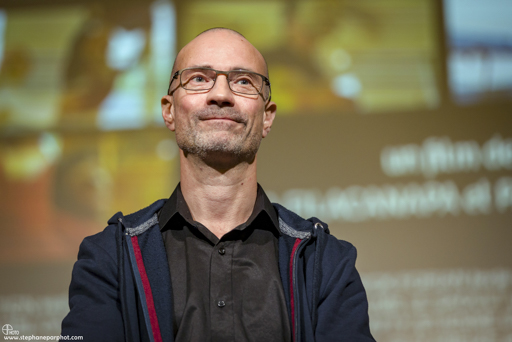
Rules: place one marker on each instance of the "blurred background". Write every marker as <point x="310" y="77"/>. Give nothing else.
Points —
<point x="394" y="126"/>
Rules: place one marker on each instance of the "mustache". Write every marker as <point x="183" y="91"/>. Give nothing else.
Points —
<point x="221" y="113"/>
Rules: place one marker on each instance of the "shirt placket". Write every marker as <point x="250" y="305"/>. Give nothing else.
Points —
<point x="221" y="292"/>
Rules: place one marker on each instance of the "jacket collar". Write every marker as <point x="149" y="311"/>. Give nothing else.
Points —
<point x="140" y="221"/>
<point x="290" y="224"/>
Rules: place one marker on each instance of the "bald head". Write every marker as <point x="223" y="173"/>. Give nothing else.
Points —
<point x="221" y="29"/>
<point x="220" y="36"/>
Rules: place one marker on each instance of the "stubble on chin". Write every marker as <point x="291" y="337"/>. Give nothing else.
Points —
<point x="205" y="143"/>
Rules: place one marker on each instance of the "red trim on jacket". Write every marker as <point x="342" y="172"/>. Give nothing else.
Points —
<point x="153" y="319"/>
<point x="292" y="302"/>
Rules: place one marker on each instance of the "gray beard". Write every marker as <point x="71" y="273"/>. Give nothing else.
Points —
<point x="202" y="144"/>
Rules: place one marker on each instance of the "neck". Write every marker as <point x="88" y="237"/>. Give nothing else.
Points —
<point x="220" y="198"/>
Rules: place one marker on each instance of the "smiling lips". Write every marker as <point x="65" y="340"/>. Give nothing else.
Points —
<point x="219" y="118"/>
<point x="221" y="115"/>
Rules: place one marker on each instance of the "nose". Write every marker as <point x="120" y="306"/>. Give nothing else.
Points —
<point x="220" y="94"/>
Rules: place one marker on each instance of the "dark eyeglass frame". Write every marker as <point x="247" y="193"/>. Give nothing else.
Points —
<point x="178" y="73"/>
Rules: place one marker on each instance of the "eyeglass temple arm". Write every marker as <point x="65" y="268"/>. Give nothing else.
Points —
<point x="175" y="76"/>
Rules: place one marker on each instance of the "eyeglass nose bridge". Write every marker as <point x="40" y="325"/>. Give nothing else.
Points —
<point x="225" y="73"/>
<point x="230" y="93"/>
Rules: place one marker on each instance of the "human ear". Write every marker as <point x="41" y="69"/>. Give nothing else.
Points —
<point x="268" y="118"/>
<point x="168" y="111"/>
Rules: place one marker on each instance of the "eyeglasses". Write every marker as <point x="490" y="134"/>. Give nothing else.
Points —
<point x="239" y="81"/>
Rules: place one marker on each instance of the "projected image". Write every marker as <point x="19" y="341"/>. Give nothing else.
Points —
<point x="76" y="80"/>
<point x="105" y="68"/>
<point x="58" y="189"/>
<point x="80" y="125"/>
<point x="334" y="56"/>
<point x="85" y="67"/>
<point x="479" y="38"/>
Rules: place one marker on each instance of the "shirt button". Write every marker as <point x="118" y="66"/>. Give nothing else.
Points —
<point x="222" y="251"/>
<point x="221" y="303"/>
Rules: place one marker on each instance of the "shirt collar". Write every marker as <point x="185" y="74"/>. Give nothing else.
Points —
<point x="176" y="204"/>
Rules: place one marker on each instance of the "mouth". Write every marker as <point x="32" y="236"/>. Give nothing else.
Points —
<point x="221" y="116"/>
<point x="219" y="119"/>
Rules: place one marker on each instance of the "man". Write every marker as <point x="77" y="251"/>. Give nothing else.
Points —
<point x="217" y="261"/>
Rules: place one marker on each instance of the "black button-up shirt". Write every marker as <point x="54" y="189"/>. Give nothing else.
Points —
<point x="226" y="289"/>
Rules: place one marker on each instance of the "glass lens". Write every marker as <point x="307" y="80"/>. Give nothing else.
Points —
<point x="198" y="79"/>
<point x="245" y="82"/>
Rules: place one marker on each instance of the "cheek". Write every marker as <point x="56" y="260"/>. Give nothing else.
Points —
<point x="192" y="102"/>
<point x="183" y="107"/>
<point x="186" y="104"/>
<point x="257" y="114"/>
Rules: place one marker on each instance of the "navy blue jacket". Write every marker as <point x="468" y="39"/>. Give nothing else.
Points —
<point x="121" y="285"/>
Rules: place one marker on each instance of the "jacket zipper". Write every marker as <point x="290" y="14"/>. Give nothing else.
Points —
<point x="294" y="287"/>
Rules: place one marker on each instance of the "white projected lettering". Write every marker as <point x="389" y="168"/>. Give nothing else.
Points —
<point x="441" y="155"/>
<point x="503" y="194"/>
<point x="433" y="198"/>
<point x="449" y="305"/>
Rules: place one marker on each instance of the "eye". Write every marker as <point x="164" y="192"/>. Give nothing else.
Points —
<point x="193" y="79"/>
<point x="198" y="79"/>
<point x="244" y="81"/>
